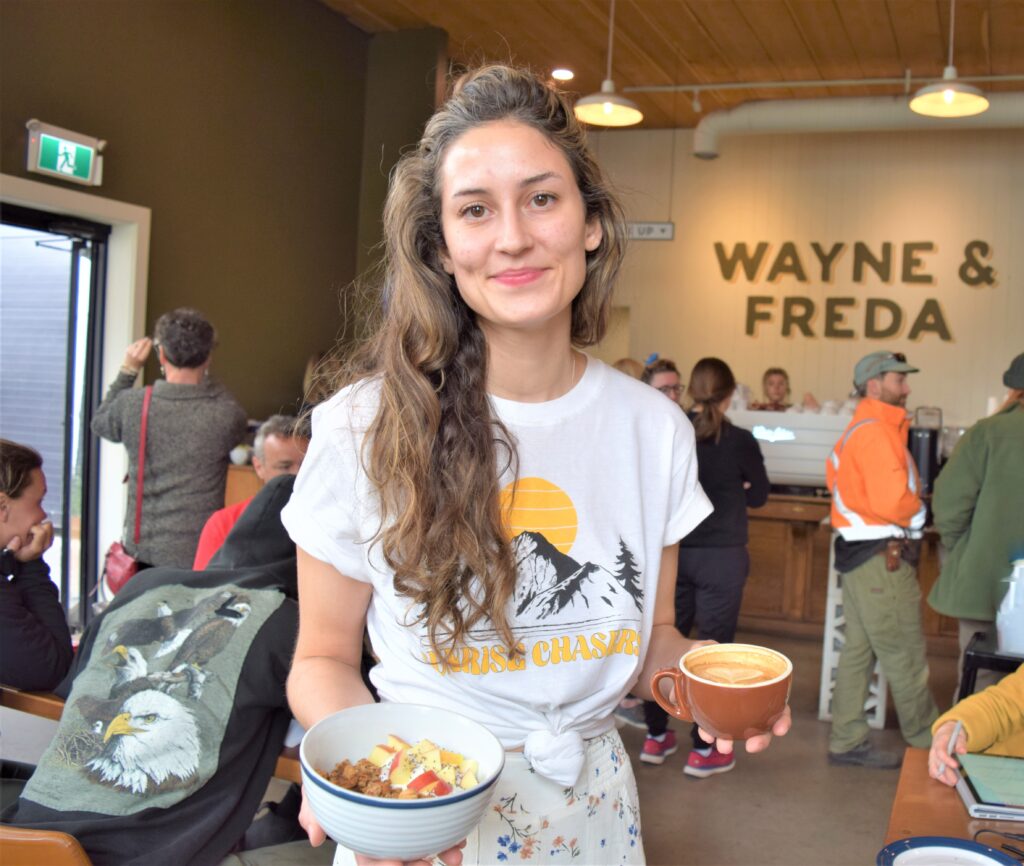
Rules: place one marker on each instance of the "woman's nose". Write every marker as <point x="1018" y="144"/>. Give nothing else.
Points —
<point x="514" y="236"/>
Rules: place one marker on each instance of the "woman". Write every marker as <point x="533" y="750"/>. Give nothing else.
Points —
<point x="992" y="722"/>
<point x="663" y="375"/>
<point x="713" y="559"/>
<point x="193" y="424"/>
<point x="35" y="644"/>
<point x="459" y="496"/>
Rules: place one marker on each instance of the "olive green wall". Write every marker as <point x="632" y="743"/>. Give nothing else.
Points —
<point x="410" y="64"/>
<point x="240" y="124"/>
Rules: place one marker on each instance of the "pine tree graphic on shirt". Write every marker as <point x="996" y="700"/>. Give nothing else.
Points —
<point x="543" y="523"/>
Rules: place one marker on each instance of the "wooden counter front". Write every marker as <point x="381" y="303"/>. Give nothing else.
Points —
<point x="788" y="583"/>
<point x="788" y="566"/>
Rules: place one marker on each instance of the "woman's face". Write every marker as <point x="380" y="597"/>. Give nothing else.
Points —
<point x="515" y="230"/>
<point x="18" y="516"/>
<point x="776" y="388"/>
<point x="668" y="383"/>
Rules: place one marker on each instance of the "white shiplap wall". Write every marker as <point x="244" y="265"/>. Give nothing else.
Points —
<point x="945" y="187"/>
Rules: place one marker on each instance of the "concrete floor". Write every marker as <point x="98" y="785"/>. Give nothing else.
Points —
<point x="787" y="805"/>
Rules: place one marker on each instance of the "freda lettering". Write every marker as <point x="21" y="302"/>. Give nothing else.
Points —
<point x="844" y="318"/>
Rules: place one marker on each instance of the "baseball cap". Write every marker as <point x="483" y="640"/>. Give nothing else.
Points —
<point x="874" y="365"/>
<point x="1014" y="376"/>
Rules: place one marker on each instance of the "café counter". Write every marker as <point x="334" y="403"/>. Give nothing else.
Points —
<point x="786" y="592"/>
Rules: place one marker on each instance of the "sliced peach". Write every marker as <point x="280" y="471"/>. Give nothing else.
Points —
<point x="437" y="788"/>
<point x="400" y="771"/>
<point x="381" y="755"/>
<point x="453" y="758"/>
<point x="395" y="743"/>
<point x="468" y="781"/>
<point x="428" y="777"/>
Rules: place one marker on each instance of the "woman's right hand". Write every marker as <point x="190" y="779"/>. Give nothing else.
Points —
<point x="453" y="856"/>
<point x="136" y="354"/>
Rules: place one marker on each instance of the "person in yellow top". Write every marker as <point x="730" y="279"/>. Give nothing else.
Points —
<point x="993" y="723"/>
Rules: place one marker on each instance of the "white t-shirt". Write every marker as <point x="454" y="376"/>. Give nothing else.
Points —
<point x="608" y="478"/>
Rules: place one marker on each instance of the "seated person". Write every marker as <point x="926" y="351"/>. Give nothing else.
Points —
<point x="280" y="444"/>
<point x="176" y="713"/>
<point x="35" y="644"/>
<point x="993" y="723"/>
<point x="775" y="384"/>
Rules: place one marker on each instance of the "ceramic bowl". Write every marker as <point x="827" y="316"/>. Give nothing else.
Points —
<point x="396" y="829"/>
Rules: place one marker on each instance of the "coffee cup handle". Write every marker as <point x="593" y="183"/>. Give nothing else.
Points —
<point x="677" y="707"/>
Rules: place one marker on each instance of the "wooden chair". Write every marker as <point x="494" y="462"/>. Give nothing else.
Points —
<point x="20" y="846"/>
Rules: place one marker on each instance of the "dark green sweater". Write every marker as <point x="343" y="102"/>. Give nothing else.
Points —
<point x="979" y="512"/>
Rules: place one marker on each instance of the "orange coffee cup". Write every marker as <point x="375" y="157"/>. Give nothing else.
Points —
<point x="732" y="690"/>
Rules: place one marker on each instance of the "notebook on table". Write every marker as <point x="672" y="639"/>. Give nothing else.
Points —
<point x="992" y="786"/>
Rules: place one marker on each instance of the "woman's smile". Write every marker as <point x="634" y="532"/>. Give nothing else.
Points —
<point x="519" y="276"/>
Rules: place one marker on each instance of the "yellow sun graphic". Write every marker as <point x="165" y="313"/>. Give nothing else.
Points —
<point x="540" y="506"/>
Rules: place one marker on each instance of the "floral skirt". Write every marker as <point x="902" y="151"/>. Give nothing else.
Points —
<point x="534" y="820"/>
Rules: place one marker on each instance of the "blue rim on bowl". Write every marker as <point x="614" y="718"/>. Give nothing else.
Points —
<point x="887" y="856"/>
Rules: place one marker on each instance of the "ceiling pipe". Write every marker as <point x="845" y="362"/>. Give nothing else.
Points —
<point x="844" y="114"/>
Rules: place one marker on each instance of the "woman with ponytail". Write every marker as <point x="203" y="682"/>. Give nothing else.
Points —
<point x="458" y="499"/>
<point x="713" y="559"/>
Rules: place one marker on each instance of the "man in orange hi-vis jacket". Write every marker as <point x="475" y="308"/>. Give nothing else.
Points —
<point x="878" y="515"/>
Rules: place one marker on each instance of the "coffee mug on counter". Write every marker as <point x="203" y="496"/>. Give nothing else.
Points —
<point x="732" y="690"/>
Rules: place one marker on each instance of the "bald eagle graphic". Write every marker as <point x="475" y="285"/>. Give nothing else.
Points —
<point x="168" y="627"/>
<point x="206" y="642"/>
<point x="151" y="745"/>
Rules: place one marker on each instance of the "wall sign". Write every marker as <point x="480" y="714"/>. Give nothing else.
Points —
<point x="641" y="231"/>
<point x="838" y="317"/>
<point x="64" y="154"/>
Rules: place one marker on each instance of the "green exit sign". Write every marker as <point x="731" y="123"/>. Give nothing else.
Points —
<point x="60" y="156"/>
<point x="64" y="154"/>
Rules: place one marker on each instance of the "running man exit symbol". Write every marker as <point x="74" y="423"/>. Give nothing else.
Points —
<point x="64" y="157"/>
<point x="64" y="154"/>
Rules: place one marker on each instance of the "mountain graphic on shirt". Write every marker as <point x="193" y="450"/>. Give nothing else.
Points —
<point x="552" y="583"/>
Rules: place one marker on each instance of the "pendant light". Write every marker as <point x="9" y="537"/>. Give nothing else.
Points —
<point x="949" y="97"/>
<point x="608" y="108"/>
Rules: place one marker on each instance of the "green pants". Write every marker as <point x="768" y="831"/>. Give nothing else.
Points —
<point x="883" y="620"/>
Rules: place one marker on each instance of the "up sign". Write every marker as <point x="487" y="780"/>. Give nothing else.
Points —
<point x="882" y="317"/>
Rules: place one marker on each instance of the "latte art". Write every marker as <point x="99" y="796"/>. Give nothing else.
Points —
<point x="727" y="672"/>
<point x="738" y="667"/>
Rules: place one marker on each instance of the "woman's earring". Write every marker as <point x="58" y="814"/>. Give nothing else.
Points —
<point x="163" y="372"/>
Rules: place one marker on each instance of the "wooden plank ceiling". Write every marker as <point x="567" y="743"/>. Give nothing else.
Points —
<point x="701" y="42"/>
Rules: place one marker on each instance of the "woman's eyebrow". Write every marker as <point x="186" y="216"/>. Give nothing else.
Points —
<point x="526" y="181"/>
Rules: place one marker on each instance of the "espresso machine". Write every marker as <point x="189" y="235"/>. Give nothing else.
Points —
<point x="923" y="442"/>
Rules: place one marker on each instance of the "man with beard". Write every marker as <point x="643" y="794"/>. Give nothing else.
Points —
<point x="878" y="515"/>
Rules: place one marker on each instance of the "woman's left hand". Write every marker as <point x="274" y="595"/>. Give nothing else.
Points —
<point x="754" y="744"/>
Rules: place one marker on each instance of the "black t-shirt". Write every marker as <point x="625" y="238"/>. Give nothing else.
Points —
<point x="177" y="712"/>
<point x="722" y="469"/>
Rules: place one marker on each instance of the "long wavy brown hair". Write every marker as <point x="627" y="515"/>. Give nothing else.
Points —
<point x="710" y="383"/>
<point x="435" y="450"/>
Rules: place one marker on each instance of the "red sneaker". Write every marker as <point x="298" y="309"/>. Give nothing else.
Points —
<point x="654" y="752"/>
<point x="703" y="766"/>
